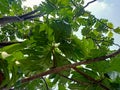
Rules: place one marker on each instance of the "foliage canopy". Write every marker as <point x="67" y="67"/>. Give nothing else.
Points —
<point x="40" y="50"/>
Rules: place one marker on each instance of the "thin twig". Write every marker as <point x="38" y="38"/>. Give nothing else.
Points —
<point x="71" y="79"/>
<point x="47" y="88"/>
<point x="34" y="16"/>
<point x="95" y="40"/>
<point x="89" y="3"/>
<point x="91" y="79"/>
<point x="29" y="13"/>
<point x="81" y="9"/>
<point x="74" y="3"/>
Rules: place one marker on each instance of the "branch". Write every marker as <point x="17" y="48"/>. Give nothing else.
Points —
<point x="29" y="13"/>
<point x="11" y="19"/>
<point x="3" y="44"/>
<point x="89" y="3"/>
<point x="91" y="79"/>
<point x="65" y="67"/>
<point x="33" y="16"/>
<point x="81" y="9"/>
<point x="71" y="79"/>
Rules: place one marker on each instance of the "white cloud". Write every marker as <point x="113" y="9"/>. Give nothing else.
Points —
<point x="100" y="9"/>
<point x="96" y="7"/>
<point x="31" y="3"/>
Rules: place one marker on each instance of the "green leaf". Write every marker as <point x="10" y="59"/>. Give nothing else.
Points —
<point x="5" y="70"/>
<point x="100" y="67"/>
<point x="110" y="25"/>
<point x="117" y="30"/>
<point x="74" y="50"/>
<point x="98" y="52"/>
<point x="18" y="55"/>
<point x="14" y="47"/>
<point x="80" y="77"/>
<point x="110" y="34"/>
<point x="60" y="33"/>
<point x="114" y="64"/>
<point x="61" y="87"/>
<point x="85" y="31"/>
<point x="76" y="87"/>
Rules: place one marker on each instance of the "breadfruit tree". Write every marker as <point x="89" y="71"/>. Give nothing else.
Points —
<point x="39" y="49"/>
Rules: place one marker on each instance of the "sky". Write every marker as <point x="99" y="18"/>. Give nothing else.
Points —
<point x="108" y="9"/>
